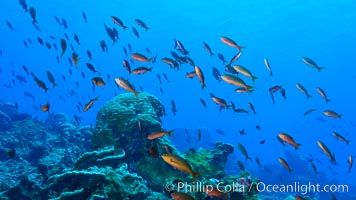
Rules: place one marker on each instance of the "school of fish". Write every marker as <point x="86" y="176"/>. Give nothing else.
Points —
<point x="232" y="73"/>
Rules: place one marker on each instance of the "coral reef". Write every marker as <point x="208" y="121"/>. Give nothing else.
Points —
<point x="125" y="122"/>
<point x="52" y="159"/>
<point x="210" y="162"/>
<point x="246" y="184"/>
<point x="97" y="175"/>
<point x="104" y="157"/>
<point x="40" y="151"/>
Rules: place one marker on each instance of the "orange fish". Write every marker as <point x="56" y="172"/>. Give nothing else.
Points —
<point x="190" y="74"/>
<point x="332" y="114"/>
<point x="200" y="75"/>
<point x="322" y="94"/>
<point x="216" y="193"/>
<point x="45" y="108"/>
<point x="340" y="137"/>
<point x="285" y="164"/>
<point x="181" y="196"/>
<point x="98" y="81"/>
<point x="326" y="150"/>
<point x="180" y="164"/>
<point x="230" y="43"/>
<point x="236" y="57"/>
<point x="159" y="134"/>
<point x="90" y="104"/>
<point x="288" y="139"/>
<point x="140" y="57"/>
<point x="298" y="197"/>
<point x="125" y="84"/>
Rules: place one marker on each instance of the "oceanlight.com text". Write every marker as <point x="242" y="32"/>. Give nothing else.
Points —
<point x="301" y="188"/>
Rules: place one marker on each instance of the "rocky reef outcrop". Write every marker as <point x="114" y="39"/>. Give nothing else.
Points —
<point x="32" y="150"/>
<point x="125" y="122"/>
<point x="210" y="162"/>
<point x="100" y="175"/>
<point x="58" y="159"/>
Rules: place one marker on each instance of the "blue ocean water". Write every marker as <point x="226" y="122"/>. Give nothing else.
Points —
<point x="283" y="32"/>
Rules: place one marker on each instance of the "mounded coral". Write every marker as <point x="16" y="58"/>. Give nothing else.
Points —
<point x="125" y="115"/>
<point x="125" y="122"/>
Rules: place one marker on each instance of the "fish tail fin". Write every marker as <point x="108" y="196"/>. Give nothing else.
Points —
<point x="124" y="27"/>
<point x="297" y="146"/>
<point x="136" y="93"/>
<point x="169" y="133"/>
<point x="226" y="196"/>
<point x="308" y="96"/>
<point x="34" y="21"/>
<point x="240" y="47"/>
<point x="194" y="175"/>
<point x="204" y="86"/>
<point x="320" y="68"/>
<point x="290" y="170"/>
<point x="147" y="28"/>
<point x="211" y="55"/>
<point x="55" y="84"/>
<point x="150" y="69"/>
<point x="327" y="100"/>
<point x="254" y="78"/>
<point x="271" y="74"/>
<point x="333" y="161"/>
<point x="249" y="88"/>
<point x="248" y="158"/>
<point x="150" y="59"/>
<point x="347" y="141"/>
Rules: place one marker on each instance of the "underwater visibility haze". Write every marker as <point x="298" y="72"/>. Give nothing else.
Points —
<point x="118" y="99"/>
